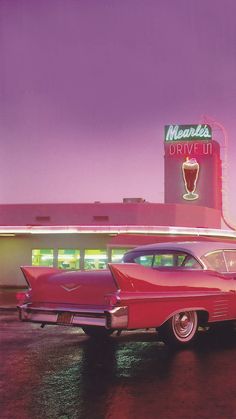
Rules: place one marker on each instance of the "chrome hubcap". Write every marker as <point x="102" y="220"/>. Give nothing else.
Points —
<point x="183" y="324"/>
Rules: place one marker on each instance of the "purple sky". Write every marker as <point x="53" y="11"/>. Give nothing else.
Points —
<point x="87" y="86"/>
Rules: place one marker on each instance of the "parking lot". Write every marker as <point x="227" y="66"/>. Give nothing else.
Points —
<point x="58" y="372"/>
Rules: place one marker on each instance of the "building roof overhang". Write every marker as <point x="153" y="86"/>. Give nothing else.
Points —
<point x="116" y="229"/>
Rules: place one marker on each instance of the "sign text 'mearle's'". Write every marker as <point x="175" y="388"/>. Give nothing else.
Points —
<point x="187" y="132"/>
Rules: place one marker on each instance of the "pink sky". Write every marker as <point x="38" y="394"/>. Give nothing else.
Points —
<point x="87" y="86"/>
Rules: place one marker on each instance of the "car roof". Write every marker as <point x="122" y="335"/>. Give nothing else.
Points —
<point x="196" y="248"/>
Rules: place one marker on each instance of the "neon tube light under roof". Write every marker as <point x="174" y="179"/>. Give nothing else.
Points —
<point x="131" y="229"/>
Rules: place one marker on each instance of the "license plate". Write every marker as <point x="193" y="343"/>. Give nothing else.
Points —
<point x="64" y="318"/>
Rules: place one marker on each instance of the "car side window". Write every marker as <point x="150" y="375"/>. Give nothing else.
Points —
<point x="230" y="259"/>
<point x="215" y="260"/>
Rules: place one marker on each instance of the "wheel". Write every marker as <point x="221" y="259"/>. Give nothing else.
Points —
<point x="97" y="331"/>
<point x="180" y="329"/>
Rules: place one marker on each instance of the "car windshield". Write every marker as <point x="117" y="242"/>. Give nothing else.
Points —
<point x="165" y="258"/>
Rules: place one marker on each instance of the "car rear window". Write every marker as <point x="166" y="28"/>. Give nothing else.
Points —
<point x="164" y="259"/>
<point x="168" y="259"/>
<point x="145" y="260"/>
<point x="177" y="260"/>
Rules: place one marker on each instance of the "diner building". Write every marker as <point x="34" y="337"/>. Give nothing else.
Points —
<point x="88" y="236"/>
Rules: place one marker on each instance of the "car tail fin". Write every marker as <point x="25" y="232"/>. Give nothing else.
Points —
<point x="34" y="273"/>
<point x="131" y="276"/>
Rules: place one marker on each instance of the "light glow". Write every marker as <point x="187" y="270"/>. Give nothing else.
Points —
<point x="120" y="229"/>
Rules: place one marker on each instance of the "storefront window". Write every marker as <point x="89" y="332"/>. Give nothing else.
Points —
<point x="68" y="259"/>
<point x="42" y="257"/>
<point x="95" y="259"/>
<point x="117" y="255"/>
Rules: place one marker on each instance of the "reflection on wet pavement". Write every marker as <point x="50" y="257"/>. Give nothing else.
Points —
<point x="60" y="373"/>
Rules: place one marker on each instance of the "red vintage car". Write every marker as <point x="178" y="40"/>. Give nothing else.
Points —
<point x="172" y="287"/>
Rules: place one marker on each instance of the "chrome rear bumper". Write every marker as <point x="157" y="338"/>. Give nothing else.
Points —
<point x="115" y="318"/>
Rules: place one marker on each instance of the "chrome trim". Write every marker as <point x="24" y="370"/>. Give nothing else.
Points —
<point x="90" y="321"/>
<point x="171" y="295"/>
<point x="220" y="309"/>
<point x="79" y="317"/>
<point x="60" y="308"/>
<point x="40" y="317"/>
<point x="182" y="310"/>
<point x="116" y="318"/>
<point x="70" y="289"/>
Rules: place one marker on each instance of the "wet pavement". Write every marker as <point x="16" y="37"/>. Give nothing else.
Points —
<point x="8" y="300"/>
<point x="58" y="372"/>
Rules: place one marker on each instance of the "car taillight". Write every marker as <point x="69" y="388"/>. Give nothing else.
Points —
<point x="112" y="299"/>
<point x="22" y="297"/>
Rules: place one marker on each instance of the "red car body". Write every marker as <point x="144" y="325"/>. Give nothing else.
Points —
<point x="175" y="298"/>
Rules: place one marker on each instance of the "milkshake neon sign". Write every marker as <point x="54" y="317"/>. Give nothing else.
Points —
<point x="187" y="132"/>
<point x="190" y="170"/>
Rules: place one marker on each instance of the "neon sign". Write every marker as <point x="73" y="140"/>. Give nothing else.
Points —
<point x="190" y="170"/>
<point x="189" y="148"/>
<point x="187" y="132"/>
